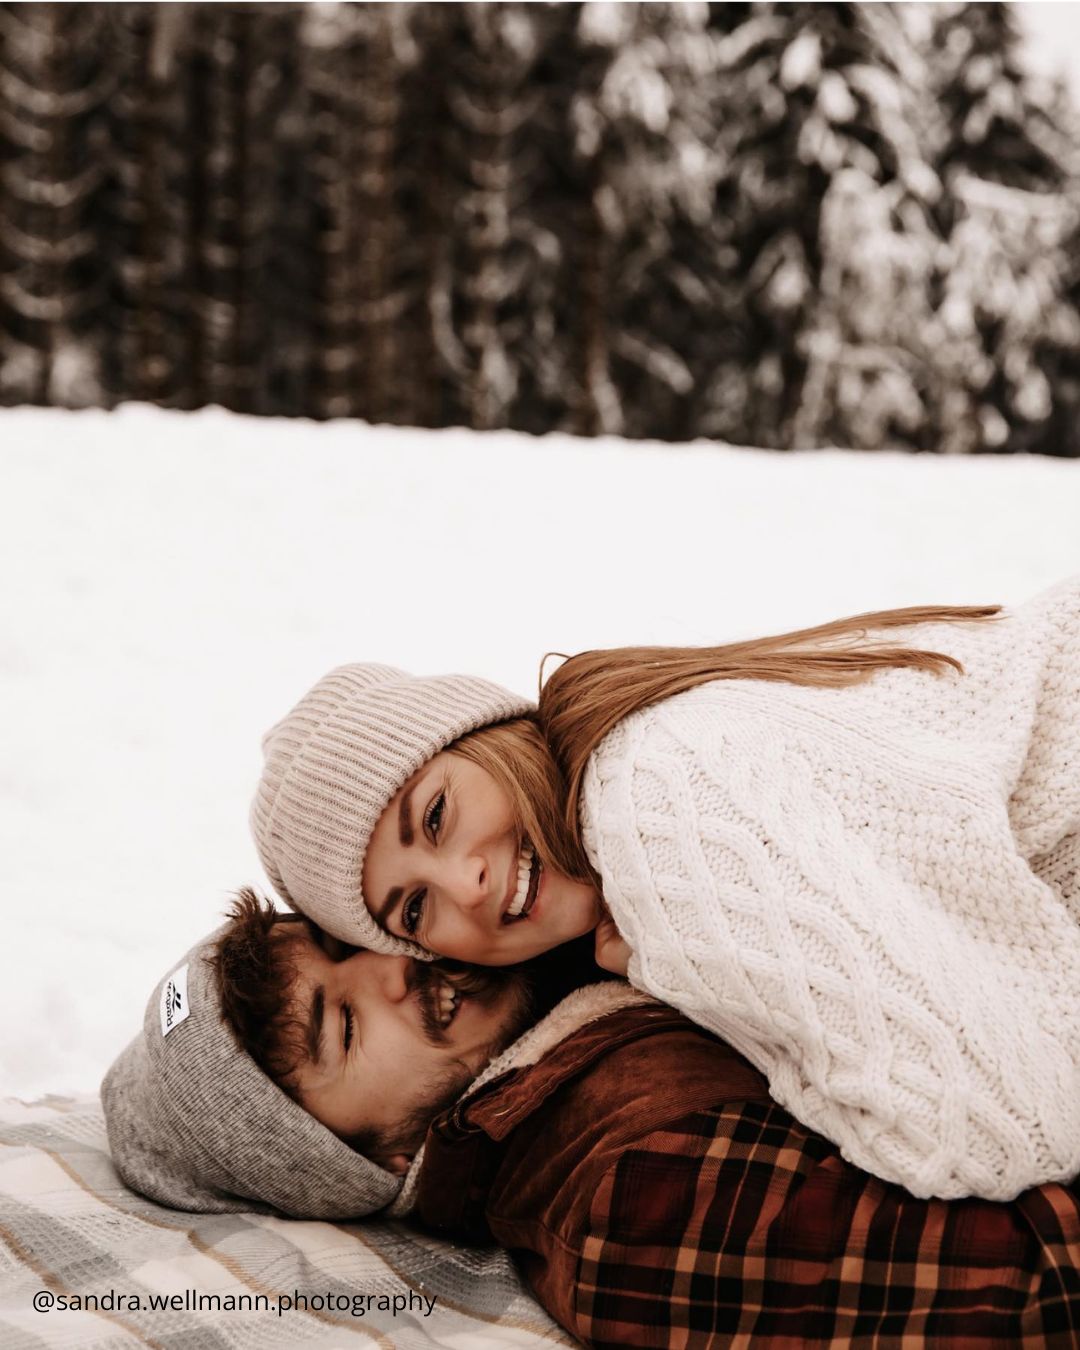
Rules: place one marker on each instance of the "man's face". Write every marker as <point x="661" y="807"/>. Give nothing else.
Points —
<point x="387" y="1043"/>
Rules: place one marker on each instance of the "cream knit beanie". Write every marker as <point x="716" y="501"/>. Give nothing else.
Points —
<point x="332" y="765"/>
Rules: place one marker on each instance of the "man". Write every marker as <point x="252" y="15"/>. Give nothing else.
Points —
<point x="651" y="1191"/>
<point x="269" y="1073"/>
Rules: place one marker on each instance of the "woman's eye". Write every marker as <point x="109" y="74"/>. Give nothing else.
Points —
<point x="348" y="1026"/>
<point x="434" y="816"/>
<point x="412" y="911"/>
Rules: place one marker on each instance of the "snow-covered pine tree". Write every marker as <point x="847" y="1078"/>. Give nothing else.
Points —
<point x="332" y="38"/>
<point x="494" y="267"/>
<point x="54" y="81"/>
<point x="769" y="195"/>
<point x="217" y="182"/>
<point x="547" y="217"/>
<point x="424" y="202"/>
<point x="208" y="244"/>
<point x="353" y="60"/>
<point x="827" y="190"/>
<point x="644" y="131"/>
<point x="386" y="281"/>
<point x="996" y="122"/>
<point x="144" y="342"/>
<point x="278" y="220"/>
<point x="1059" y="358"/>
<point x="1006" y="324"/>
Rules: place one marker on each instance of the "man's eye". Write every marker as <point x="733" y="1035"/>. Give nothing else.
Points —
<point x="433" y="818"/>
<point x="348" y="1025"/>
<point x="412" y="911"/>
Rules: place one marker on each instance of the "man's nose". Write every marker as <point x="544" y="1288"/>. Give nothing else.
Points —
<point x="394" y="977"/>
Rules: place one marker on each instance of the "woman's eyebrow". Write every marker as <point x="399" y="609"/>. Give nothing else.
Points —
<point x="405" y="829"/>
<point x="383" y="912"/>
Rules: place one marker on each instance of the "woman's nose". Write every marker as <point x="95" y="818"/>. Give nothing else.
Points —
<point x="468" y="885"/>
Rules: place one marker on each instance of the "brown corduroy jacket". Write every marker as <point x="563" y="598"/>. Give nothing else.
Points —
<point x="654" y="1195"/>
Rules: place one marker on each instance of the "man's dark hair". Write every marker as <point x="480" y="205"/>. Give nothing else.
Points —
<point x="255" y="967"/>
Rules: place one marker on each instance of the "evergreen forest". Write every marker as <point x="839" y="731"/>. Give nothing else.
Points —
<point x="781" y="225"/>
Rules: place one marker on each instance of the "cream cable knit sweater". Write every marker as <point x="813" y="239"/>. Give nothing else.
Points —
<point x="874" y="894"/>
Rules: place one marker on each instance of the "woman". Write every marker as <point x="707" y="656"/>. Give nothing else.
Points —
<point x="856" y="860"/>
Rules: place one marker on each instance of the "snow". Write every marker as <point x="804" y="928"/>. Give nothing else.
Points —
<point x="1053" y="38"/>
<point x="173" y="582"/>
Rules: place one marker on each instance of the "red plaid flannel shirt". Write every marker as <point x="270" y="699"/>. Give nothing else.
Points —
<point x="738" y="1227"/>
<point x="641" y="1223"/>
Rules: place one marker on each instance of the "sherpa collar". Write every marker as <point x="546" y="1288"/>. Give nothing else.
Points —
<point x="584" y="1005"/>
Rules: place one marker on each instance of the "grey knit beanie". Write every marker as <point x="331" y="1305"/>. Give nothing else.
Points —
<point x="194" y="1123"/>
<point x="332" y="765"/>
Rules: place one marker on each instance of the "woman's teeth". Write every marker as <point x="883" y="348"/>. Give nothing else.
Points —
<point x="526" y="861"/>
<point x="446" y="1004"/>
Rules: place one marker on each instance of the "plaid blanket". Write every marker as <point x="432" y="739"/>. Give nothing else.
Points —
<point x="85" y="1262"/>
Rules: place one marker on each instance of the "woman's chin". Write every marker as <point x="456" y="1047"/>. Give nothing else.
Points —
<point x="563" y="910"/>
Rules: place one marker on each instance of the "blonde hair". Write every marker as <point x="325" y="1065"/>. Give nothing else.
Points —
<point x="540" y="762"/>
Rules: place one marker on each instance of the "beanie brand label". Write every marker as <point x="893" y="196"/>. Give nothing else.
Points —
<point x="174" y="1001"/>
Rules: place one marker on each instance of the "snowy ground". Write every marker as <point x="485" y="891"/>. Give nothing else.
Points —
<point x="173" y="582"/>
<point x="1052" y="31"/>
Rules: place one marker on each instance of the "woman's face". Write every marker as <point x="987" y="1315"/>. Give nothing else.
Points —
<point x="447" y="868"/>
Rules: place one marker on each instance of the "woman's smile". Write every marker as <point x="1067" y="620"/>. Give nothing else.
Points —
<point x="523" y="896"/>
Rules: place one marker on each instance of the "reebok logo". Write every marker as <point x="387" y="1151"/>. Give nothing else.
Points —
<point x="174" y="1001"/>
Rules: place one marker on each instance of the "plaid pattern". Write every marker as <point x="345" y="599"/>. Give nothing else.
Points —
<point x="70" y="1226"/>
<point x="737" y="1227"/>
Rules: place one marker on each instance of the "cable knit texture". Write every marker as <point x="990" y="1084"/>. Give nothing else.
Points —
<point x="872" y="893"/>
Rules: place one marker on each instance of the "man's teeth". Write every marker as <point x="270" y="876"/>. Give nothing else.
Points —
<point x="524" y="872"/>
<point x="446" y="1003"/>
